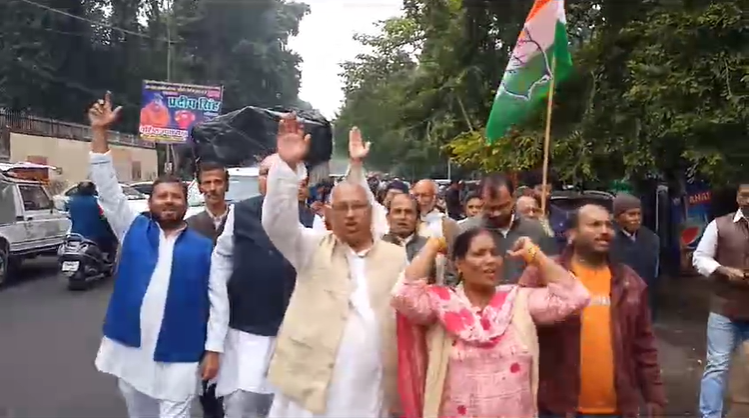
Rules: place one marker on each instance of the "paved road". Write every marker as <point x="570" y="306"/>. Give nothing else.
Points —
<point x="49" y="337"/>
<point x="48" y="340"/>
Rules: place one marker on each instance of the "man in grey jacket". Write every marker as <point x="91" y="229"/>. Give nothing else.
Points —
<point x="213" y="183"/>
<point x="499" y="217"/>
<point x="403" y="216"/>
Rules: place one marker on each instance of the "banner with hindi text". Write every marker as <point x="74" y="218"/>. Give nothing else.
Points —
<point x="169" y="110"/>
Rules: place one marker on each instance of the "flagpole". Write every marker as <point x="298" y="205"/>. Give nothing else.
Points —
<point x="547" y="136"/>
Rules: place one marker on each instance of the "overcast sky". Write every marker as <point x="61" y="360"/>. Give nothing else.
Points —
<point x="326" y="39"/>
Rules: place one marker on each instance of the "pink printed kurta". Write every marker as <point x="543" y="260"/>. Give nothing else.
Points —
<point x="490" y="381"/>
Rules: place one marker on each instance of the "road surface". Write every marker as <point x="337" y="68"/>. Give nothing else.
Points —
<point x="49" y="337"/>
<point x="48" y="341"/>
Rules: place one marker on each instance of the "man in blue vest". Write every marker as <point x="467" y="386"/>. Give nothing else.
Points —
<point x="165" y="316"/>
<point x="260" y="281"/>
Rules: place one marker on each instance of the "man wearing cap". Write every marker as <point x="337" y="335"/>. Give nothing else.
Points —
<point x="636" y="245"/>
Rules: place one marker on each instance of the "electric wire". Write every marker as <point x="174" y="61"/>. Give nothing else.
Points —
<point x="102" y="24"/>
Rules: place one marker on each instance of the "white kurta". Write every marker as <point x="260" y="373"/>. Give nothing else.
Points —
<point x="356" y="386"/>
<point x="319" y="224"/>
<point x="433" y="223"/>
<point x="135" y="365"/>
<point x="246" y="358"/>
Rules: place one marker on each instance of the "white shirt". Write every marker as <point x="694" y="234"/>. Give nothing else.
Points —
<point x="175" y="382"/>
<point x="319" y="224"/>
<point x="217" y="219"/>
<point x="703" y="259"/>
<point x="356" y="386"/>
<point x="247" y="356"/>
<point x="432" y="222"/>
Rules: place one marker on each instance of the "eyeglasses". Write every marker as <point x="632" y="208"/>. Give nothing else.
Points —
<point x="353" y="207"/>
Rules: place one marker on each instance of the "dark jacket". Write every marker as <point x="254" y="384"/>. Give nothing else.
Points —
<point x="636" y="369"/>
<point x="641" y="253"/>
<point x="413" y="246"/>
<point x="512" y="269"/>
<point x="262" y="279"/>
<point x="203" y="223"/>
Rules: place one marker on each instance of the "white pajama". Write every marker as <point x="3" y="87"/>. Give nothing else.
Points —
<point x="241" y="404"/>
<point x="152" y="389"/>
<point x="355" y="388"/>
<point x="140" y="405"/>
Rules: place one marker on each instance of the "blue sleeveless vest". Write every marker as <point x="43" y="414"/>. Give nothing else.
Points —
<point x="183" y="328"/>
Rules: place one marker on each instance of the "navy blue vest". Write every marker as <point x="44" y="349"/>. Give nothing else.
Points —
<point x="183" y="328"/>
<point x="262" y="279"/>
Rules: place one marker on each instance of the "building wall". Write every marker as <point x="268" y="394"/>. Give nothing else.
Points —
<point x="72" y="157"/>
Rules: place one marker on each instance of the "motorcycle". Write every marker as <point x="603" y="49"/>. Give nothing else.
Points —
<point x="82" y="262"/>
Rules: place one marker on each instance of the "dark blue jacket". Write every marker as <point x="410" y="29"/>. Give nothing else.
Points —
<point x="87" y="218"/>
<point x="262" y="280"/>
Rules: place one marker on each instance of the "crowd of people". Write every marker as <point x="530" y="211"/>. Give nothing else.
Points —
<point x="382" y="305"/>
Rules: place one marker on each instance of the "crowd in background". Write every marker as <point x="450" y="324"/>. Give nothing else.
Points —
<point x="395" y="299"/>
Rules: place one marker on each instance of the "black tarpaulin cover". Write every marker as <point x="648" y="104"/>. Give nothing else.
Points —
<point x="242" y="137"/>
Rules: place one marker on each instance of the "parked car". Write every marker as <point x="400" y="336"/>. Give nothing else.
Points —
<point x="145" y="187"/>
<point x="29" y="223"/>
<point x="137" y="200"/>
<point x="243" y="184"/>
<point x="570" y="200"/>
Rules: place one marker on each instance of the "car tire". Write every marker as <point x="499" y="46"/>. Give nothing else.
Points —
<point x="4" y="265"/>
<point x="77" y="286"/>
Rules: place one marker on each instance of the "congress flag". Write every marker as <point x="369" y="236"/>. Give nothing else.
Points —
<point x="542" y="44"/>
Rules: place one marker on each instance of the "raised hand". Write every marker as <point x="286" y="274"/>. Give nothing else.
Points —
<point x="357" y="148"/>
<point x="292" y="144"/>
<point x="438" y="244"/>
<point x="101" y="115"/>
<point x="524" y="248"/>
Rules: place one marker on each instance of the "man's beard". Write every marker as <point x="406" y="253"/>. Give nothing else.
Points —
<point x="169" y="224"/>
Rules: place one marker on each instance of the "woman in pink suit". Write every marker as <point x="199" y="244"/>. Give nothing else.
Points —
<point x="472" y="350"/>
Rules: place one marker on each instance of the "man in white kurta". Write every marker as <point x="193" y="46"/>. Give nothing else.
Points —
<point x="250" y="341"/>
<point x="256" y="269"/>
<point x="151" y="388"/>
<point x="433" y="222"/>
<point x="355" y="386"/>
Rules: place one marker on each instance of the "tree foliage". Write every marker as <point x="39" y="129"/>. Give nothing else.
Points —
<point x="659" y="87"/>
<point x="54" y="63"/>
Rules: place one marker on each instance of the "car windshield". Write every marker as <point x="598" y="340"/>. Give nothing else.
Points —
<point x="240" y="188"/>
<point x="145" y="188"/>
<point x="131" y="193"/>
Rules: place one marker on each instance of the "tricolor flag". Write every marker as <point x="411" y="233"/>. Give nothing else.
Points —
<point x="542" y="44"/>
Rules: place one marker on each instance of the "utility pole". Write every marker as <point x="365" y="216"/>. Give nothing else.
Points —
<point x="169" y="12"/>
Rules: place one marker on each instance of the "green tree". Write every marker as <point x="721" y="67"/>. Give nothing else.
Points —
<point x="660" y="86"/>
<point x="56" y="56"/>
